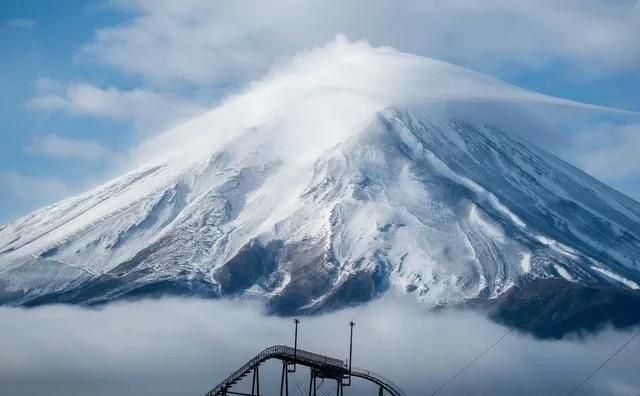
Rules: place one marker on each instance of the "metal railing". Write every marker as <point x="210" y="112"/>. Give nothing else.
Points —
<point x="282" y="352"/>
<point x="310" y="357"/>
<point x="377" y="378"/>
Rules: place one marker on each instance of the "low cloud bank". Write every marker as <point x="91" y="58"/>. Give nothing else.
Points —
<point x="175" y="346"/>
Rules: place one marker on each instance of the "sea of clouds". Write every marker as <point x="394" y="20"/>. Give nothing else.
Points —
<point x="185" y="347"/>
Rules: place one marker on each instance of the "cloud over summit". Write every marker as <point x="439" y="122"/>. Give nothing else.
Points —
<point x="322" y="95"/>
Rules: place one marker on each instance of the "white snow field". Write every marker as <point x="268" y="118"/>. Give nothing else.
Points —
<point x="347" y="172"/>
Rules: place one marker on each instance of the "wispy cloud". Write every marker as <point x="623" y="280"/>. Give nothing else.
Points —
<point x="32" y="188"/>
<point x="146" y="108"/>
<point x="610" y="151"/>
<point x="21" y="23"/>
<point x="22" y="192"/>
<point x="68" y="148"/>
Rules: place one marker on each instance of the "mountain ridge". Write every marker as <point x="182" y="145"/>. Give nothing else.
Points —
<point x="351" y="172"/>
<point x="353" y="261"/>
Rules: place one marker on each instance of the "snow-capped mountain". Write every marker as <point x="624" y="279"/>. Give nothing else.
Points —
<point x="350" y="172"/>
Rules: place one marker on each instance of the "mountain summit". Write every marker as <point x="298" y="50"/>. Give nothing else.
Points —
<point x="346" y="173"/>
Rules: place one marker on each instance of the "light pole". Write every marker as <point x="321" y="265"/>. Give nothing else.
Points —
<point x="351" y="324"/>
<point x="348" y="376"/>
<point x="295" y="344"/>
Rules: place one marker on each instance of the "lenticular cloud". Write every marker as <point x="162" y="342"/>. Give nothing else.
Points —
<point x="351" y="81"/>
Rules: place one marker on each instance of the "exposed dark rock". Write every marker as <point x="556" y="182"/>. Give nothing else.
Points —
<point x="358" y="288"/>
<point x="252" y="263"/>
<point x="552" y="308"/>
<point x="108" y="288"/>
<point x="311" y="275"/>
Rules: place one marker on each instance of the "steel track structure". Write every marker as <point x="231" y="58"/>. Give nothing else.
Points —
<point x="320" y="366"/>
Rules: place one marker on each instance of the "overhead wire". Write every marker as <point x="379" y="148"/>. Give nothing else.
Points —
<point x="493" y="345"/>
<point x="604" y="363"/>
<point x="298" y="384"/>
<point x="473" y="361"/>
<point x="322" y="391"/>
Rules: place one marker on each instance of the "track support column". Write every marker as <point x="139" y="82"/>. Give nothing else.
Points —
<point x="312" y="382"/>
<point x="284" y="381"/>
<point x="255" y="383"/>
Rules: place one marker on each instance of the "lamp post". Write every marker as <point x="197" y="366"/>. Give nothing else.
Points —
<point x="351" y="324"/>
<point x="295" y="344"/>
<point x="295" y="340"/>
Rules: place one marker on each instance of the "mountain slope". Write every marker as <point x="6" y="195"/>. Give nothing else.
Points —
<point x="331" y="198"/>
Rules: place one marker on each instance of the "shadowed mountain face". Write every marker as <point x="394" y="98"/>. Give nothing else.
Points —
<point x="446" y="205"/>
<point x="552" y="308"/>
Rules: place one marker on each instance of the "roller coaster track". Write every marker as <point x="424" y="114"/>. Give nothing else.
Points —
<point x="383" y="382"/>
<point x="320" y="366"/>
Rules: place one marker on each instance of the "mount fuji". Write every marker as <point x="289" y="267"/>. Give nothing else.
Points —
<point x="347" y="173"/>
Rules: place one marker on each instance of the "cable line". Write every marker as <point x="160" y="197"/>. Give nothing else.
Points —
<point x="322" y="391"/>
<point x="441" y="387"/>
<point x="604" y="363"/>
<point x="298" y="385"/>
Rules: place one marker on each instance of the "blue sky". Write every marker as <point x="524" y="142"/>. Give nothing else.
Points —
<point x="84" y="82"/>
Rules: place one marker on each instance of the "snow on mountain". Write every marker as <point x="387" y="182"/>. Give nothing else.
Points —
<point x="350" y="171"/>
